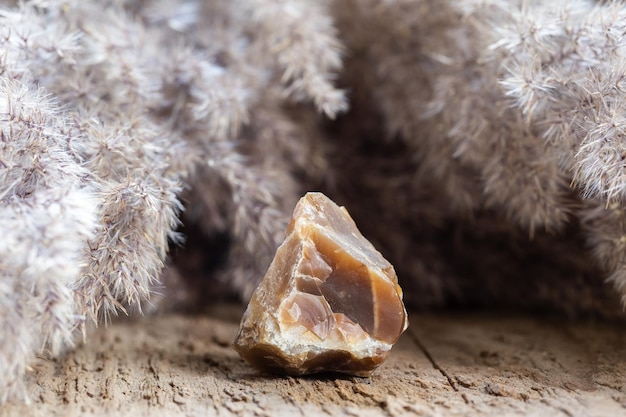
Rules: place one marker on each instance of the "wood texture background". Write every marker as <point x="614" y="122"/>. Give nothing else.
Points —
<point x="444" y="365"/>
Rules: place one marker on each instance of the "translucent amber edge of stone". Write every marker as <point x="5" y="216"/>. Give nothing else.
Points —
<point x="302" y="233"/>
<point x="303" y="227"/>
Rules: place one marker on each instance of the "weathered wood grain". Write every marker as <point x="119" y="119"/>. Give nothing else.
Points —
<point x="452" y="365"/>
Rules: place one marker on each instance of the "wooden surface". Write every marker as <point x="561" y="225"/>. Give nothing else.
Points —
<point x="445" y="365"/>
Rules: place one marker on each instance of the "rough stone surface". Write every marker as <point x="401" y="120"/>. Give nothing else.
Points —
<point x="328" y="302"/>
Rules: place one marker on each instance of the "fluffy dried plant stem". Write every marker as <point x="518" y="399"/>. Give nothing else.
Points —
<point x="49" y="214"/>
<point x="107" y="111"/>
<point x="563" y="67"/>
<point x="509" y="108"/>
<point x="300" y="36"/>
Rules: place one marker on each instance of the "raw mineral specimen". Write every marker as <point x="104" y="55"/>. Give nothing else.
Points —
<point x="328" y="302"/>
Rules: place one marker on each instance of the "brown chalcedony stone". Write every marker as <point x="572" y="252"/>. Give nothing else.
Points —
<point x="328" y="302"/>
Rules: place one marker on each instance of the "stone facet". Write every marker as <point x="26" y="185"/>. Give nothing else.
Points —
<point x="328" y="302"/>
